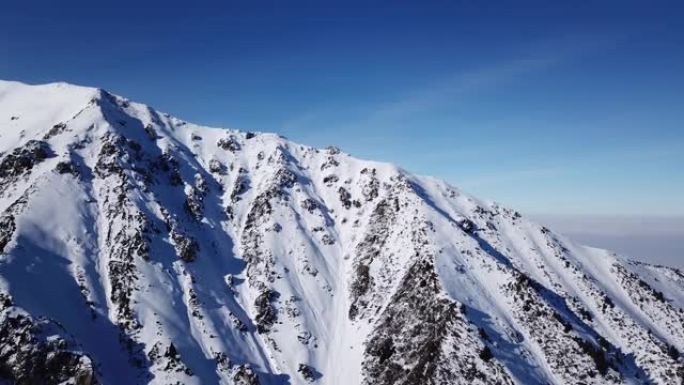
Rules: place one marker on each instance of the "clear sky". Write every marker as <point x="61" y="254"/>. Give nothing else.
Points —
<point x="551" y="107"/>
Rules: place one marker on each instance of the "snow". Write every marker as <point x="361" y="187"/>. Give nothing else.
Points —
<point x="95" y="251"/>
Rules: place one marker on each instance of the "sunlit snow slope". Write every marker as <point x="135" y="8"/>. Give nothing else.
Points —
<point x="138" y="248"/>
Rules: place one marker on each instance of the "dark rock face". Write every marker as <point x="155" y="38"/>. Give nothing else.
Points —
<point x="307" y="372"/>
<point x="486" y="354"/>
<point x="240" y="187"/>
<point x="230" y="144"/>
<point x="187" y="247"/>
<point x="467" y="225"/>
<point x="23" y="159"/>
<point x="55" y="130"/>
<point x="167" y="163"/>
<point x="284" y="178"/>
<point x="367" y="251"/>
<point x="66" y="167"/>
<point x="216" y="167"/>
<point x="194" y="206"/>
<point x="244" y="375"/>
<point x="110" y="157"/>
<point x="418" y="337"/>
<point x="330" y="179"/>
<point x="266" y="314"/>
<point x="7" y="228"/>
<point x="29" y="357"/>
<point x="150" y="132"/>
<point x="168" y="359"/>
<point x="327" y="239"/>
<point x="345" y="197"/>
<point x="194" y="201"/>
<point x="309" y="205"/>
<point x="566" y="352"/>
<point x="371" y="188"/>
<point x="127" y="228"/>
<point x="331" y="161"/>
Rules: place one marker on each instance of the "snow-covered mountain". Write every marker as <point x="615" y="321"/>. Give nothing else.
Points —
<point x="138" y="248"/>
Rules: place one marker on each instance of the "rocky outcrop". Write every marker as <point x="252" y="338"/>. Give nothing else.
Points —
<point x="423" y="338"/>
<point x="570" y="355"/>
<point x="126" y="227"/>
<point x="370" y="248"/>
<point x="7" y="227"/>
<point x="21" y="161"/>
<point x="244" y="375"/>
<point x="229" y="143"/>
<point x="35" y="352"/>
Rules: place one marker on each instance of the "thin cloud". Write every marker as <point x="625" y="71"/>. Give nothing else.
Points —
<point x="459" y="85"/>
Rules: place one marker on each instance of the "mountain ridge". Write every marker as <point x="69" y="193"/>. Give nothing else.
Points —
<point x="205" y="255"/>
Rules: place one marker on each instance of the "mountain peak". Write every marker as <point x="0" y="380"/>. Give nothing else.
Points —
<point x="140" y="248"/>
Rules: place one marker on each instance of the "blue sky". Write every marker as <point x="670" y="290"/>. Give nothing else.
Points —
<point x="548" y="107"/>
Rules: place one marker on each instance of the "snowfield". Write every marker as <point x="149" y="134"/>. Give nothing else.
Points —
<point x="137" y="248"/>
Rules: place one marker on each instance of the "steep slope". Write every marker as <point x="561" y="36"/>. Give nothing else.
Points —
<point x="139" y="248"/>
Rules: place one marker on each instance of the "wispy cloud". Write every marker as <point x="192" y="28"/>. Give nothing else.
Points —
<point x="460" y="85"/>
<point x="451" y="88"/>
<point x="455" y="86"/>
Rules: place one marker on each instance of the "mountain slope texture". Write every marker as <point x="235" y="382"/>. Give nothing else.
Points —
<point x="137" y="248"/>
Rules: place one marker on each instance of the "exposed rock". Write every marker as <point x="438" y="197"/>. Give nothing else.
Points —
<point x="66" y="167"/>
<point x="345" y="197"/>
<point x="187" y="247"/>
<point x="422" y="339"/>
<point x="5" y="301"/>
<point x="330" y="179"/>
<point x="216" y="167"/>
<point x="110" y="158"/>
<point x="309" y="205"/>
<point x="55" y="130"/>
<point x="467" y="225"/>
<point x="371" y="188"/>
<point x="230" y="143"/>
<point x="167" y="162"/>
<point x="244" y="375"/>
<point x="23" y="159"/>
<point x="307" y="372"/>
<point x="304" y="337"/>
<point x="266" y="314"/>
<point x="7" y="227"/>
<point x="169" y="360"/>
<point x="327" y="239"/>
<point x="240" y="187"/>
<point x="284" y="178"/>
<point x="31" y="353"/>
<point x="239" y="325"/>
<point x="194" y="201"/>
<point x="151" y="132"/>
<point x="125" y="226"/>
<point x="367" y="251"/>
